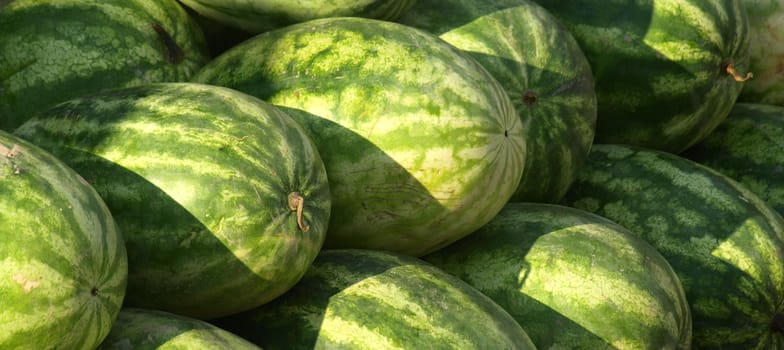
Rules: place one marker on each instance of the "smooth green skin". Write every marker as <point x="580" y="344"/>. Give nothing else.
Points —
<point x="153" y="329"/>
<point x="63" y="264"/>
<point x="421" y="145"/>
<point x="659" y="65"/>
<point x="766" y="50"/>
<point x="369" y="299"/>
<point x="724" y="242"/>
<point x="85" y="46"/>
<point x="258" y="16"/>
<point x="748" y="147"/>
<point x="534" y="57"/>
<point x="573" y="279"/>
<point x="198" y="178"/>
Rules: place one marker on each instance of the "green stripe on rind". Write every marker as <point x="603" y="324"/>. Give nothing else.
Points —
<point x="421" y="144"/>
<point x="766" y="48"/>
<point x="265" y="15"/>
<point x="87" y="46"/>
<point x="529" y="52"/>
<point x="725" y="243"/>
<point x="361" y="299"/>
<point x="748" y="147"/>
<point x="153" y="329"/>
<point x="63" y="264"/>
<point x="573" y="280"/>
<point x="658" y="65"/>
<point x="198" y="178"/>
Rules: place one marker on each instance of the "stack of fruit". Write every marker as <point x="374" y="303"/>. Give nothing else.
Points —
<point x="451" y="174"/>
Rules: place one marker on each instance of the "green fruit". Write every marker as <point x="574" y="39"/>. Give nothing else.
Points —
<point x="724" y="242"/>
<point x="222" y="198"/>
<point x="421" y="145"/>
<point x="766" y="48"/>
<point x="153" y="329"/>
<point x="366" y="299"/>
<point x="661" y="67"/>
<point x="573" y="280"/>
<point x="63" y="264"/>
<point x="543" y="71"/>
<point x="257" y="16"/>
<point x="749" y="147"/>
<point x="55" y="50"/>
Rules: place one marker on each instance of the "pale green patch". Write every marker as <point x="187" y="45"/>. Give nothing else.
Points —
<point x="348" y="333"/>
<point x="623" y="214"/>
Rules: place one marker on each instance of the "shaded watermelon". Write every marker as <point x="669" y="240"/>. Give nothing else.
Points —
<point x="573" y="280"/>
<point x="153" y="329"/>
<point x="55" y="50"/>
<point x="215" y="191"/>
<point x="667" y="71"/>
<point x="723" y="241"/>
<point x="766" y="50"/>
<point x="366" y="299"/>
<point x="421" y="144"/>
<point x="63" y="264"/>
<point x="543" y="71"/>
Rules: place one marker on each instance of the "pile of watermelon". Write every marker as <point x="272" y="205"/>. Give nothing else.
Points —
<point x="391" y="174"/>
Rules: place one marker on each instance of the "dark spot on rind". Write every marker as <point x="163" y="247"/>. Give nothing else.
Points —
<point x="174" y="53"/>
<point x="94" y="291"/>
<point x="529" y="98"/>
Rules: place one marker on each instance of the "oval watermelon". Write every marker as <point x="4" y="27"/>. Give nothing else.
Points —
<point x="55" y="50"/>
<point x="573" y="280"/>
<point x="543" y="70"/>
<point x="421" y="144"/>
<point x="667" y="71"/>
<point x="766" y="35"/>
<point x="748" y="147"/>
<point x="367" y="299"/>
<point x="723" y="241"/>
<point x="63" y="265"/>
<point x="257" y="16"/>
<point x="154" y="329"/>
<point x="215" y="191"/>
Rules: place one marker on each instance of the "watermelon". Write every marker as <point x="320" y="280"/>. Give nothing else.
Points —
<point x="540" y="66"/>
<point x="421" y="144"/>
<point x="63" y="264"/>
<point x="766" y="34"/>
<point x="724" y="242"/>
<point x="667" y="71"/>
<point x="748" y="147"/>
<point x="369" y="299"/>
<point x="215" y="191"/>
<point x="154" y="329"/>
<point x="84" y="46"/>
<point x="257" y="16"/>
<point x="573" y="279"/>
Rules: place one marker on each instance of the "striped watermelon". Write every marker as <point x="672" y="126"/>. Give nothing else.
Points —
<point x="766" y="35"/>
<point x="748" y="147"/>
<point x="63" y="264"/>
<point x="543" y="70"/>
<point x="723" y="241"/>
<point x="215" y="191"/>
<point x="55" y="50"/>
<point x="421" y="145"/>
<point x="153" y="329"/>
<point x="257" y="16"/>
<point x="667" y="71"/>
<point x="573" y="280"/>
<point x="366" y="299"/>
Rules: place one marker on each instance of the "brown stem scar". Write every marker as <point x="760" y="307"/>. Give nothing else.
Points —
<point x="297" y="203"/>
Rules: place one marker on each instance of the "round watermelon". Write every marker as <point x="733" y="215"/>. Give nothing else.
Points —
<point x="63" y="263"/>
<point x="541" y="68"/>
<point x="766" y="49"/>
<point x="724" y="242"/>
<point x="667" y="71"/>
<point x="421" y="144"/>
<point x="55" y="50"/>
<point x="215" y="191"/>
<point x="573" y="279"/>
<point x="369" y="299"/>
<point x="154" y="329"/>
